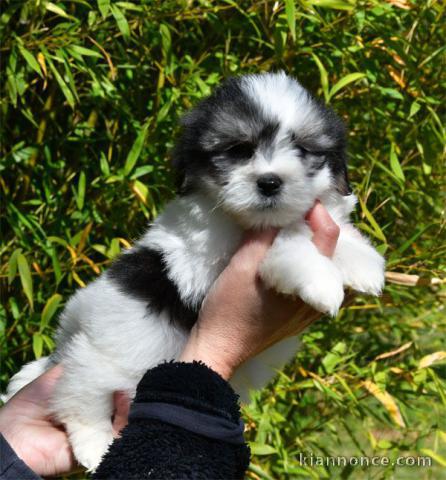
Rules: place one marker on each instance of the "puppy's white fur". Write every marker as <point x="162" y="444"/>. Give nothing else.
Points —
<point x="107" y="339"/>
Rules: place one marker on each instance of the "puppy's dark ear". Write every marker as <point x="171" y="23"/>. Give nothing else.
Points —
<point x="341" y="178"/>
<point x="343" y="185"/>
<point x="337" y="162"/>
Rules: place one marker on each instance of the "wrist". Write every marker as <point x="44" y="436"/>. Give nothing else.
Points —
<point x="214" y="358"/>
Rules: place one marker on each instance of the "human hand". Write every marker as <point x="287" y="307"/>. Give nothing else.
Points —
<point x="31" y="433"/>
<point x="240" y="317"/>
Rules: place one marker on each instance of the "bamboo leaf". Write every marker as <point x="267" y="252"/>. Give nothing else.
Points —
<point x="121" y="21"/>
<point x="324" y="76"/>
<point x="429" y="360"/>
<point x="42" y="63"/>
<point x="56" y="265"/>
<point x="376" y="228"/>
<point x="12" y="265"/>
<point x="332" y="4"/>
<point x="37" y="345"/>
<point x="414" y="109"/>
<point x="436" y="456"/>
<point x="104" y="7"/>
<point x="30" y="60"/>
<point x="386" y="400"/>
<point x="48" y="342"/>
<point x="49" y="310"/>
<point x="81" y="187"/>
<point x="141" y="191"/>
<point x="166" y="41"/>
<point x="392" y="353"/>
<point x="344" y="81"/>
<point x="135" y="151"/>
<point x="63" y="86"/>
<point x="261" y="449"/>
<point x="395" y="164"/>
<point x="25" y="278"/>
<point x="57" y="10"/>
<point x="88" y="52"/>
<point x="290" y="11"/>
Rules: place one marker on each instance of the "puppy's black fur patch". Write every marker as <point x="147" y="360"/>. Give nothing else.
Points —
<point x="142" y="273"/>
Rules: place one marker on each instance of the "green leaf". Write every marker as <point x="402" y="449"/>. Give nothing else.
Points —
<point x="88" y="52"/>
<point x="105" y="167"/>
<point x="63" y="86"/>
<point x="290" y="11"/>
<point x="323" y="74"/>
<point x="48" y="342"/>
<point x="344" y="81"/>
<point x="57" y="10"/>
<point x="49" y="310"/>
<point x="81" y="187"/>
<point x="332" y="4"/>
<point x="140" y="171"/>
<point x="414" y="108"/>
<point x="12" y="265"/>
<point x="135" y="151"/>
<point x="395" y="164"/>
<point x="334" y="357"/>
<point x="30" y="60"/>
<point x="56" y="265"/>
<point x="121" y="21"/>
<point x="166" y="41"/>
<point x="261" y="449"/>
<point x="37" y="345"/>
<point x="376" y="228"/>
<point x="391" y="92"/>
<point x="104" y="7"/>
<point x="436" y="456"/>
<point x="114" y="249"/>
<point x="25" y="278"/>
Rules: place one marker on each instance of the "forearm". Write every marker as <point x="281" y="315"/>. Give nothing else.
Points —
<point x="193" y="431"/>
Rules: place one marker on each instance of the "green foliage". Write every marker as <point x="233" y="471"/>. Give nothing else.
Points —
<point x="91" y="93"/>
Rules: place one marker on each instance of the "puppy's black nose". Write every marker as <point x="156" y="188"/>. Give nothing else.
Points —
<point x="269" y="184"/>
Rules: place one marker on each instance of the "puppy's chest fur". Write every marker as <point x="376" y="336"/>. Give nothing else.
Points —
<point x="174" y="264"/>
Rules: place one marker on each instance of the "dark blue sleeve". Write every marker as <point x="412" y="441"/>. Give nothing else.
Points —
<point x="11" y="467"/>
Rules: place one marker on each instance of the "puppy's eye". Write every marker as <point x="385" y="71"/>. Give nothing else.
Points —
<point x="241" y="150"/>
<point x="301" y="150"/>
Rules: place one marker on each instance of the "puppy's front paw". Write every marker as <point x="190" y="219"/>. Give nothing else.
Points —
<point x="362" y="269"/>
<point x="89" y="444"/>
<point x="324" y="292"/>
<point x="315" y="280"/>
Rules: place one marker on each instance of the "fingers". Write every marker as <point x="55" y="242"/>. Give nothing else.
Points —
<point x="325" y="230"/>
<point x="122" y="406"/>
<point x="254" y="246"/>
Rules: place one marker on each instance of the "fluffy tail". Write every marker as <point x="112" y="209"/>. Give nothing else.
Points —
<point x="27" y="374"/>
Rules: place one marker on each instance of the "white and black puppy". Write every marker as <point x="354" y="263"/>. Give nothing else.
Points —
<point x="257" y="153"/>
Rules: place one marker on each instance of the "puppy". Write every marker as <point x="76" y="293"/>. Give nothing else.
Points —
<point x="257" y="153"/>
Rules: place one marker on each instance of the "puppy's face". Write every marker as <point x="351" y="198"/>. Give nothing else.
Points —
<point x="264" y="149"/>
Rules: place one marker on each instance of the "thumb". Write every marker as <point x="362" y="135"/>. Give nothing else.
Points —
<point x="325" y="230"/>
<point x="255" y="244"/>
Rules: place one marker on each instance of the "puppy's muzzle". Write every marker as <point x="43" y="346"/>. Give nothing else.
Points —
<point x="269" y="184"/>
